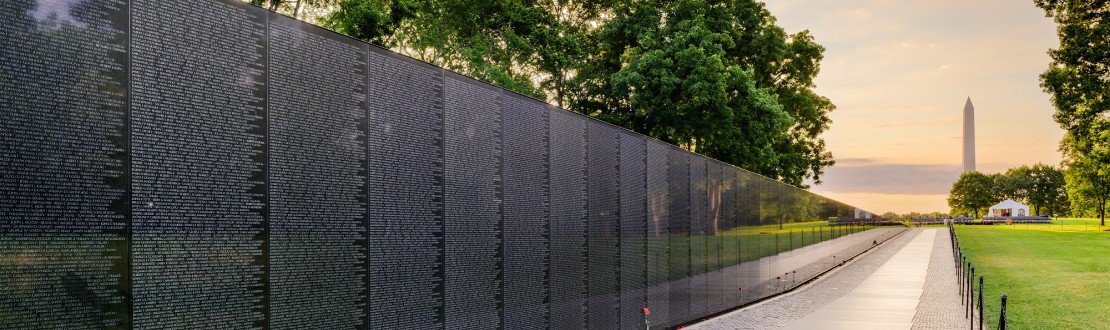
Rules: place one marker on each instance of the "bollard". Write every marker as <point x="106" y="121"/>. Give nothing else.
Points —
<point x="980" y="302"/>
<point x="968" y="295"/>
<point x="960" y="276"/>
<point x="1002" y="315"/>
<point x="971" y="299"/>
<point x="970" y="292"/>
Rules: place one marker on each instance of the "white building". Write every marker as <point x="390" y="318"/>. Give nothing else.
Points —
<point x="1009" y="208"/>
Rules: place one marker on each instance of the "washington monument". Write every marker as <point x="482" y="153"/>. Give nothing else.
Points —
<point x="969" y="136"/>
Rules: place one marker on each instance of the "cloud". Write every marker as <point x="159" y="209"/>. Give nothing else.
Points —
<point x="855" y="161"/>
<point x="854" y="14"/>
<point x="55" y="13"/>
<point x="898" y="203"/>
<point x="869" y="176"/>
<point x="920" y="124"/>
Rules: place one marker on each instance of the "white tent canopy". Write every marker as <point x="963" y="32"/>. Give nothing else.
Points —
<point x="1009" y="208"/>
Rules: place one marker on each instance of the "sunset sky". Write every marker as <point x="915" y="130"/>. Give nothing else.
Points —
<point x="900" y="72"/>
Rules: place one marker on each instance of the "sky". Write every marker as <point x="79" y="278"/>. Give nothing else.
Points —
<point x="900" y="71"/>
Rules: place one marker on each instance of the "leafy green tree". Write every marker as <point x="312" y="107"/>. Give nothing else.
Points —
<point x="1088" y="182"/>
<point x="1046" y="189"/>
<point x="971" y="193"/>
<point x="518" y="45"/>
<point x="1077" y="79"/>
<point x="371" y="21"/>
<point x="1041" y="186"/>
<point x="716" y="77"/>
<point x="1010" y="185"/>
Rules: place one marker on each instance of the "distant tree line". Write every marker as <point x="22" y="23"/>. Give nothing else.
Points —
<point x="1042" y="187"/>
<point x="717" y="77"/>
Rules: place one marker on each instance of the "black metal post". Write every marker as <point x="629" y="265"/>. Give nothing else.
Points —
<point x="1002" y="315"/>
<point x="967" y="307"/>
<point x="971" y="298"/>
<point x="960" y="276"/>
<point x="980" y="302"/>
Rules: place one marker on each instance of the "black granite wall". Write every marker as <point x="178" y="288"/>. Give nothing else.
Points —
<point x="209" y="164"/>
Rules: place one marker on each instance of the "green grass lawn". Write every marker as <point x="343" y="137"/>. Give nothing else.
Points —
<point x="1055" y="276"/>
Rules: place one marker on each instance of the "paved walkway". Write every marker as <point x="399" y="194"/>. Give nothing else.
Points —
<point x="908" y="283"/>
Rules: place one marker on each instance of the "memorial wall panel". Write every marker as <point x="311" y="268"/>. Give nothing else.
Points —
<point x="699" y="236"/>
<point x="405" y="177"/>
<point x="633" y="230"/>
<point x="473" y="208"/>
<point x="198" y="125"/>
<point x="317" y="183"/>
<point x="603" y="240"/>
<point x="63" y="175"/>
<point x="210" y="164"/>
<point x="730" y="244"/>
<point x="658" y="230"/>
<point x="748" y="199"/>
<point x="568" y="220"/>
<point x="526" y="256"/>
<point x="714" y="195"/>
<point x="678" y="179"/>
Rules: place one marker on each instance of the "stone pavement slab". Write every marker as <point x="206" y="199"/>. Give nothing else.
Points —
<point x="885" y="300"/>
<point x="940" y="306"/>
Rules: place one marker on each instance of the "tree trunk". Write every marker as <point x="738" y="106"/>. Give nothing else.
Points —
<point x="559" y="92"/>
<point x="296" y="9"/>
<point x="1102" y="212"/>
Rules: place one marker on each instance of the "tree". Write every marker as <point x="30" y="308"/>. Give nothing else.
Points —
<point x="971" y="193"/>
<point x="715" y="77"/>
<point x="1010" y="185"/>
<point x="371" y="21"/>
<point x="518" y="45"/>
<point x="1047" y="188"/>
<point x="1078" y="80"/>
<point x="294" y="8"/>
<point x="1040" y="186"/>
<point x="1088" y="182"/>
